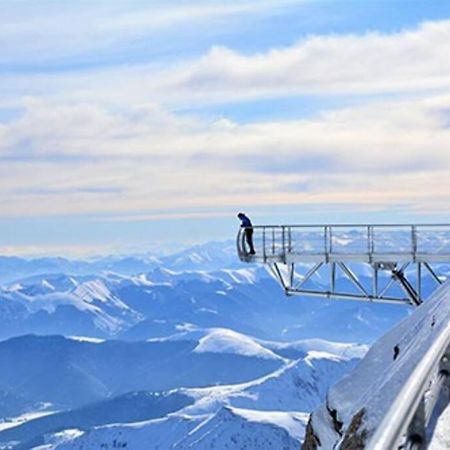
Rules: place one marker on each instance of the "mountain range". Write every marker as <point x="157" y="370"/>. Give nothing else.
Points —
<point x="189" y="350"/>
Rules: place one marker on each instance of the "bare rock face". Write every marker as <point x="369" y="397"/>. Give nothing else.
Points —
<point x="311" y="442"/>
<point x="356" y="435"/>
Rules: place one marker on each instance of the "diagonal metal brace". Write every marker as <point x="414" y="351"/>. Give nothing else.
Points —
<point x="399" y="275"/>
<point x="308" y="276"/>
<point x="353" y="278"/>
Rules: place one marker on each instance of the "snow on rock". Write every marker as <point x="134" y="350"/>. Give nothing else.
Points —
<point x="364" y="395"/>
<point x="222" y="340"/>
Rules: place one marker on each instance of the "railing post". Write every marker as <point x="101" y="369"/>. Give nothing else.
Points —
<point x="264" y="244"/>
<point x="419" y="279"/>
<point x="372" y="240"/>
<point x="283" y="243"/>
<point x="375" y="281"/>
<point x="273" y="241"/>
<point x="290" y="239"/>
<point x="330" y="236"/>
<point x="414" y="241"/>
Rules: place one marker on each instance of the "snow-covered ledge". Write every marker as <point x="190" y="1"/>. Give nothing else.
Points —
<point x="357" y="404"/>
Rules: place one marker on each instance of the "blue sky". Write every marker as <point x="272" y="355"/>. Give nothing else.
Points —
<point x="129" y="124"/>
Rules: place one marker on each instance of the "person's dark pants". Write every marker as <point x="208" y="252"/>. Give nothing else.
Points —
<point x="249" y="239"/>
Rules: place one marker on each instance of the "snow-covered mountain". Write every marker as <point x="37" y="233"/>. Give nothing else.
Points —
<point x="64" y="304"/>
<point x="190" y="350"/>
<point x="265" y="410"/>
<point x="86" y="371"/>
<point x="159" y="302"/>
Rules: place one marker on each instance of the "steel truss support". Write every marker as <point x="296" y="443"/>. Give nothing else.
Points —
<point x="409" y="281"/>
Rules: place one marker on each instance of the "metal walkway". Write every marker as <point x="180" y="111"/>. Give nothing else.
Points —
<point x="397" y="255"/>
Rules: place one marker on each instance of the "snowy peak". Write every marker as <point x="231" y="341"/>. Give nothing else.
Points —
<point x="227" y="341"/>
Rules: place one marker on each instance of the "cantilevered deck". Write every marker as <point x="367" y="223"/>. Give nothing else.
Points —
<point x="386" y="247"/>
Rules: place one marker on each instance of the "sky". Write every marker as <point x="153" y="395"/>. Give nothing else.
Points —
<point x="130" y="125"/>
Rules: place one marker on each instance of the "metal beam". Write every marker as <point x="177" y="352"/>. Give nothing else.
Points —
<point x="348" y="296"/>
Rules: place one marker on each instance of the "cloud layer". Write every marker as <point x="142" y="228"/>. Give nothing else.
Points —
<point x="111" y="142"/>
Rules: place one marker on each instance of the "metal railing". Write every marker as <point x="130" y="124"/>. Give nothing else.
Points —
<point x="276" y="242"/>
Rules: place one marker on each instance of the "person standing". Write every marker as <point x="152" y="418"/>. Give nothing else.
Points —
<point x="247" y="224"/>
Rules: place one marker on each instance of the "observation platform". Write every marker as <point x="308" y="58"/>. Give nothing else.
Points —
<point x="391" y="248"/>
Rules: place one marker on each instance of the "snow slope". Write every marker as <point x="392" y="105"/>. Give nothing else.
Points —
<point x="370" y="388"/>
<point x="131" y="407"/>
<point x="229" y="428"/>
<point x="297" y="386"/>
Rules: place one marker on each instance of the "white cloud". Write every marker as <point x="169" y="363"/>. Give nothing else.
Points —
<point x="407" y="61"/>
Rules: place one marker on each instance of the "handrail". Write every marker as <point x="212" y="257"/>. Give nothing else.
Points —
<point x="356" y="225"/>
<point x="366" y="240"/>
<point x="401" y="413"/>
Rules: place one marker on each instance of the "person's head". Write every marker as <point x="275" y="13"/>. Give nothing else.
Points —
<point x="241" y="215"/>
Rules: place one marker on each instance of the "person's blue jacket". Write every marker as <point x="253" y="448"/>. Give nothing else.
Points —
<point x="245" y="222"/>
